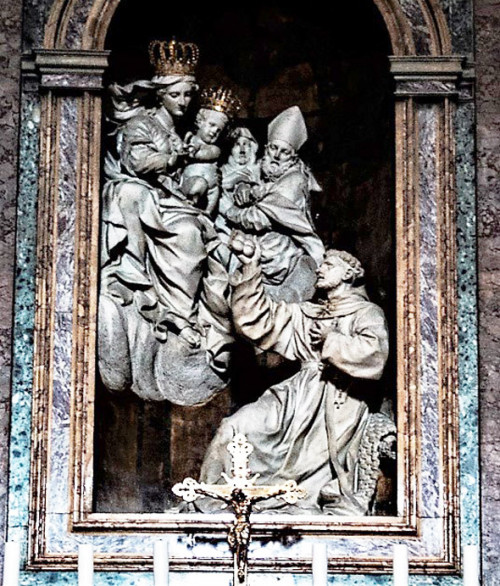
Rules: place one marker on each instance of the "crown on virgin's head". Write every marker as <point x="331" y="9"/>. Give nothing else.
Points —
<point x="221" y="100"/>
<point x="173" y="57"/>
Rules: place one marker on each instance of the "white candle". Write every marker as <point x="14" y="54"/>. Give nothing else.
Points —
<point x="12" y="563"/>
<point x="471" y="565"/>
<point x="320" y="564"/>
<point x="85" y="565"/>
<point x="400" y="565"/>
<point x="160" y="565"/>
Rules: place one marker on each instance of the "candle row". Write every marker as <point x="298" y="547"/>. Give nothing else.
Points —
<point x="160" y="565"/>
<point x="86" y="564"/>
<point x="470" y="562"/>
<point x="12" y="564"/>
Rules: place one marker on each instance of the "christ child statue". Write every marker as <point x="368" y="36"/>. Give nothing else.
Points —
<point x="200" y="178"/>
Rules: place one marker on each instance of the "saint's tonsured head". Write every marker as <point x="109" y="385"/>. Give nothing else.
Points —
<point x="338" y="267"/>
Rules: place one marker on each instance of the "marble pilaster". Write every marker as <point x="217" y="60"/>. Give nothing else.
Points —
<point x="10" y="42"/>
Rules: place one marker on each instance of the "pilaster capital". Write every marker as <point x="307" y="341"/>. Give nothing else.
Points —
<point x="428" y="76"/>
<point x="58" y="69"/>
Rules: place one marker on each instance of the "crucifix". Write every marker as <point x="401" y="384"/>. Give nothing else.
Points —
<point x="241" y="493"/>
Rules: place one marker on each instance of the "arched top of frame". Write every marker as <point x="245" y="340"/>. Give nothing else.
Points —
<point x="415" y="27"/>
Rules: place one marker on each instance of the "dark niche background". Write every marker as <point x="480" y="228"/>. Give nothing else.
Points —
<point x="331" y="60"/>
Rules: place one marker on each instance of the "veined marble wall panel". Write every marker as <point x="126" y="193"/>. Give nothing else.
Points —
<point x="488" y="185"/>
<point x="35" y="15"/>
<point x="428" y="131"/>
<point x="459" y="14"/>
<point x="22" y="371"/>
<point x="9" y="117"/>
<point x="467" y="283"/>
<point x="413" y="12"/>
<point x="66" y="216"/>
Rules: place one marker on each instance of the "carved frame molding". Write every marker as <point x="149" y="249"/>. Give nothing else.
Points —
<point x="430" y="80"/>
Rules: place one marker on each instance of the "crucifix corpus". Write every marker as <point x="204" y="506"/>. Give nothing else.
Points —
<point x="241" y="493"/>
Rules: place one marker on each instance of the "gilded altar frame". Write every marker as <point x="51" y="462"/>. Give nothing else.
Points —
<point x="428" y="83"/>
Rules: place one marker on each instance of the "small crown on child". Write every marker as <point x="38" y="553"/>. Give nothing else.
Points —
<point x="221" y="100"/>
<point x="173" y="57"/>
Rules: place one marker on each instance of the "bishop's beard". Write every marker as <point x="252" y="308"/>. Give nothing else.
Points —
<point x="273" y="170"/>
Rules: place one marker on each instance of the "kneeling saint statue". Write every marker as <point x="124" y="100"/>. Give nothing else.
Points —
<point x="316" y="427"/>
